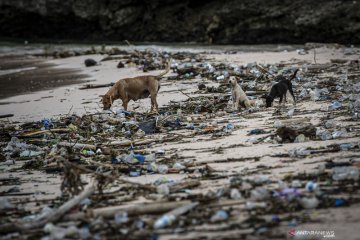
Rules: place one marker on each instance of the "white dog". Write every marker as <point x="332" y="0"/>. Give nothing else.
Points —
<point x="238" y="95"/>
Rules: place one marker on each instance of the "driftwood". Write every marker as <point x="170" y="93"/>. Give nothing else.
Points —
<point x="184" y="185"/>
<point x="56" y="130"/>
<point x="110" y="177"/>
<point x="133" y="210"/>
<point x="6" y="115"/>
<point x="90" y="86"/>
<point x="77" y="145"/>
<point x="141" y="142"/>
<point x="53" y="216"/>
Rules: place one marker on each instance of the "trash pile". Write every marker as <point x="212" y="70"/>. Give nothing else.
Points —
<point x="105" y="158"/>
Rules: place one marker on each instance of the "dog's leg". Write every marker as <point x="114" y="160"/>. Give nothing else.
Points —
<point x="284" y="99"/>
<point x="280" y="101"/>
<point x="236" y="105"/>
<point x="154" y="105"/>
<point x="292" y="94"/>
<point x="247" y="104"/>
<point x="125" y="103"/>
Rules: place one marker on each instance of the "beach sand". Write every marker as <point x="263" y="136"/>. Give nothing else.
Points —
<point x="239" y="155"/>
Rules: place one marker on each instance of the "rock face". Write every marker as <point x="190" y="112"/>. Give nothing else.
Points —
<point x="211" y="21"/>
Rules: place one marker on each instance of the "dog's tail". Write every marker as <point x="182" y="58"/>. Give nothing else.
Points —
<point x="294" y="75"/>
<point x="166" y="70"/>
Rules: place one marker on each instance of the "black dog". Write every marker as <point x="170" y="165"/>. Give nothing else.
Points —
<point x="279" y="89"/>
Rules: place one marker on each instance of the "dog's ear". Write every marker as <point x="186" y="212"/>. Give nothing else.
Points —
<point x="237" y="78"/>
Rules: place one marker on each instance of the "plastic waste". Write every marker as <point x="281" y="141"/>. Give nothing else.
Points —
<point x="309" y="203"/>
<point x="288" y="193"/>
<point x="219" y="216"/>
<point x="339" y="134"/>
<point x="290" y="113"/>
<point x="299" y="152"/>
<point x="324" y="134"/>
<point x="235" y="194"/>
<point x="330" y="124"/>
<point x="163" y="189"/>
<point x="345" y="173"/>
<point x="300" y="138"/>
<point x="278" y="124"/>
<point x="7" y="162"/>
<point x="88" y="152"/>
<point x="221" y="77"/>
<point x="334" y="105"/>
<point x="164" y="179"/>
<point x="5" y="204"/>
<point x="30" y="153"/>
<point x="134" y="173"/>
<point x="256" y="131"/>
<point x="163" y="169"/>
<point x="311" y="186"/>
<point x="164" y="221"/>
<point x="339" y="202"/>
<point x="259" y="194"/>
<point x="296" y="184"/>
<point x="346" y="146"/>
<point x="356" y="116"/>
<point x="121" y="217"/>
<point x="178" y="166"/>
<point x="47" y="123"/>
<point x="255" y="205"/>
<point x="190" y="126"/>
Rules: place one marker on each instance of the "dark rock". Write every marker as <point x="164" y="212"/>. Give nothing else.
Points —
<point x="90" y="62"/>
<point x="120" y="65"/>
<point x="214" y="21"/>
<point x="201" y="86"/>
<point x="287" y="134"/>
<point x="149" y="127"/>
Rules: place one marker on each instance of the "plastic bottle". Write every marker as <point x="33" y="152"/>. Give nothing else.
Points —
<point x="235" y="194"/>
<point x="121" y="217"/>
<point x="311" y="186"/>
<point x="254" y="205"/>
<point x="163" y="189"/>
<point x="309" y="203"/>
<point x="163" y="169"/>
<point x="164" y="221"/>
<point x="220" y="215"/>
<point x="356" y="116"/>
<point x="334" y="105"/>
<point x="259" y="194"/>
<point x="277" y="124"/>
<point x="324" y="135"/>
<point x="178" y="166"/>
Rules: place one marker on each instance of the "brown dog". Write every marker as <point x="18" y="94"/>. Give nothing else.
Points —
<point x="133" y="89"/>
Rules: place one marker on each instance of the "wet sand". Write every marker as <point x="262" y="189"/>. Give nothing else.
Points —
<point x="27" y="75"/>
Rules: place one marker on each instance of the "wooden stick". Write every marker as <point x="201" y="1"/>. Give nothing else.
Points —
<point x="53" y="216"/>
<point x="57" y="130"/>
<point x="6" y="115"/>
<point x="77" y="145"/>
<point x="114" y="178"/>
<point x="263" y="70"/>
<point x="91" y="86"/>
<point x="132" y="210"/>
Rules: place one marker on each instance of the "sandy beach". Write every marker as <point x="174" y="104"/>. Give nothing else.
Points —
<point x="231" y="155"/>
